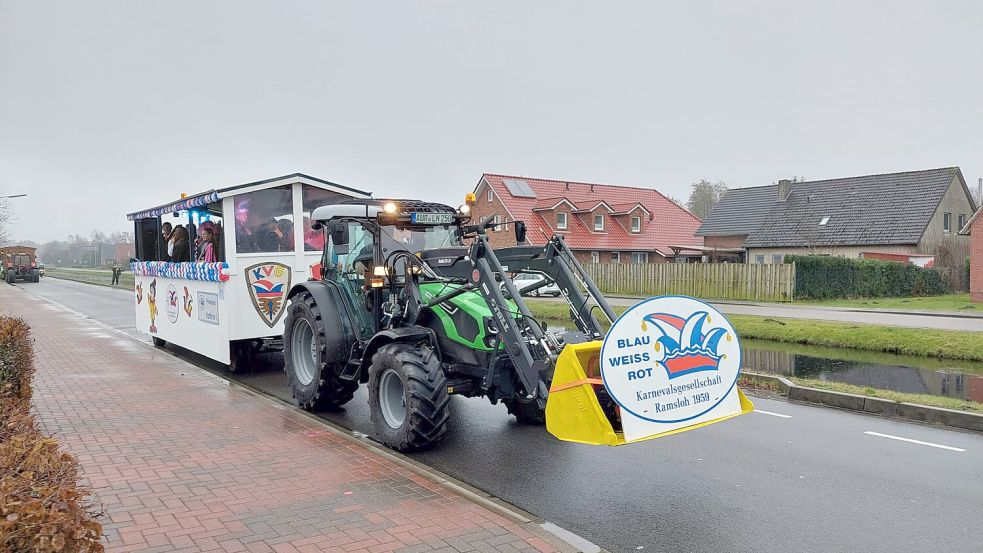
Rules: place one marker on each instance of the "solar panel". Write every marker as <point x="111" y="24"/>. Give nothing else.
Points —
<point x="519" y="188"/>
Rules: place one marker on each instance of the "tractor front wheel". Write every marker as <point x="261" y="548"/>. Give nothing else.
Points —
<point x="312" y="381"/>
<point x="526" y="411"/>
<point x="408" y="399"/>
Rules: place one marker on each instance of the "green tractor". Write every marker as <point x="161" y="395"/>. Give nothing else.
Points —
<point x="413" y="302"/>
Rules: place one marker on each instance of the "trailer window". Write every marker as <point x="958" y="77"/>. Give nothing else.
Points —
<point x="264" y="221"/>
<point x="314" y="198"/>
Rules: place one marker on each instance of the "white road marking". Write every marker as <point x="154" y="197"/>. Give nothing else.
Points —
<point x="909" y="440"/>
<point x="773" y="414"/>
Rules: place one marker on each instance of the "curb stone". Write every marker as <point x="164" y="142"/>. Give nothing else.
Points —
<point x="874" y="405"/>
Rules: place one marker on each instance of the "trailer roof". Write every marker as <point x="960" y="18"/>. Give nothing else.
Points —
<point x="210" y="196"/>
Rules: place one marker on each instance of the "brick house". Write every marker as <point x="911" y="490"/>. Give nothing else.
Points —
<point x="974" y="229"/>
<point x="915" y="213"/>
<point x="601" y="223"/>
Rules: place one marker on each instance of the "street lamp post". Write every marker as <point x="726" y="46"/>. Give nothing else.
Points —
<point x="12" y="196"/>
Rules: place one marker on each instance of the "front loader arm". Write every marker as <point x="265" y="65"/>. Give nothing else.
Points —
<point x="527" y="347"/>
<point x="556" y="261"/>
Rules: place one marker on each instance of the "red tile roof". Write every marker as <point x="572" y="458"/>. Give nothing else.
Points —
<point x="670" y="223"/>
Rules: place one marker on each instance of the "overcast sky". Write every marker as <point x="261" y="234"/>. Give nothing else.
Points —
<point x="110" y="107"/>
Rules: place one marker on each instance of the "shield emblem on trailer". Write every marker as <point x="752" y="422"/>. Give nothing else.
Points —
<point x="268" y="285"/>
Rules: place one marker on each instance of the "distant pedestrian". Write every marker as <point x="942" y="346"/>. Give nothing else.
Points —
<point x="117" y="270"/>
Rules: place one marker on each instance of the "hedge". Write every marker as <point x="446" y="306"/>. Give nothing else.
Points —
<point x="42" y="506"/>
<point x="820" y="277"/>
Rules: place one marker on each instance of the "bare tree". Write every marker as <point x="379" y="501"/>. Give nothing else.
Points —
<point x="6" y="217"/>
<point x="677" y="201"/>
<point x="793" y="179"/>
<point x="704" y="196"/>
<point x="121" y="237"/>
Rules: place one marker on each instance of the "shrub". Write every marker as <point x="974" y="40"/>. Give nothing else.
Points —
<point x="822" y="277"/>
<point x="16" y="366"/>
<point x="42" y="508"/>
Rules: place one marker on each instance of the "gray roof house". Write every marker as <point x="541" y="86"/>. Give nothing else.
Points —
<point x="915" y="212"/>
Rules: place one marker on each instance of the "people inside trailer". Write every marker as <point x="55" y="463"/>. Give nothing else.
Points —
<point x="313" y="239"/>
<point x="181" y="252"/>
<point x="209" y="245"/>
<point x="166" y="232"/>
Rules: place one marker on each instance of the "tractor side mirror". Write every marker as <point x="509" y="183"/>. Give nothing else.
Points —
<point x="520" y="232"/>
<point x="339" y="233"/>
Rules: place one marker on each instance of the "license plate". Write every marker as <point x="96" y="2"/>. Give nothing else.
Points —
<point x="418" y="218"/>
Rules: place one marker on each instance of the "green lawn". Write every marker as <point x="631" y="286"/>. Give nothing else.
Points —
<point x="921" y="399"/>
<point x="947" y="344"/>
<point x="950" y="302"/>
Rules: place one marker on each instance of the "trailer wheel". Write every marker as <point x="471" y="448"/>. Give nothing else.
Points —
<point x="408" y="399"/>
<point x="313" y="383"/>
<point x="526" y="411"/>
<point x="242" y="357"/>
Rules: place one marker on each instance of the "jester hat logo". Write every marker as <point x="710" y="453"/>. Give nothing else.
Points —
<point x="688" y="348"/>
<point x="268" y="286"/>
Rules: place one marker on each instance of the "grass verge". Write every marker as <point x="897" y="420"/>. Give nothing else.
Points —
<point x="947" y="344"/>
<point x="920" y="399"/>
<point x="750" y="382"/>
<point x="949" y="302"/>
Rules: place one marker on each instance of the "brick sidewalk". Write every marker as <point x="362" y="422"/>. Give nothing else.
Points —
<point x="181" y="461"/>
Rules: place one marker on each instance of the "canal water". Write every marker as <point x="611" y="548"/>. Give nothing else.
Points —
<point x="884" y="371"/>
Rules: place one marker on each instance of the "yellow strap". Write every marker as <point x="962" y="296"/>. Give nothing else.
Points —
<point x="558" y="387"/>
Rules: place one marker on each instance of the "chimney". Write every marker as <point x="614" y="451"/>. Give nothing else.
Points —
<point x="784" y="189"/>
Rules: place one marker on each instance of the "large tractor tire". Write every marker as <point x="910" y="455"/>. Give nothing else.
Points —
<point x="526" y="411"/>
<point x="313" y="383"/>
<point x="408" y="398"/>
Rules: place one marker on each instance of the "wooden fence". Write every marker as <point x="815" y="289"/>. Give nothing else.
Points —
<point x="725" y="281"/>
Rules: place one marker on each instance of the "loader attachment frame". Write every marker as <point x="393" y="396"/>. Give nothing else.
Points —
<point x="532" y="350"/>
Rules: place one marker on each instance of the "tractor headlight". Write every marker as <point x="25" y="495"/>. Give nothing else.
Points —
<point x="380" y="271"/>
<point x="389" y="207"/>
<point x="464" y="208"/>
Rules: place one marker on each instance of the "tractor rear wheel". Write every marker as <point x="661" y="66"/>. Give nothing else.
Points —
<point x="526" y="411"/>
<point x="408" y="399"/>
<point x="314" y="384"/>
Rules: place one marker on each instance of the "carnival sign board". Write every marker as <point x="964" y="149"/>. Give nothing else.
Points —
<point x="671" y="362"/>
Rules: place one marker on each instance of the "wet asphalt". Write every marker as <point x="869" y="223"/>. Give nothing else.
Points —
<point x="813" y="479"/>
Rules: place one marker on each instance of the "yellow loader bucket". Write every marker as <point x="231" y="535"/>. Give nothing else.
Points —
<point x="574" y="411"/>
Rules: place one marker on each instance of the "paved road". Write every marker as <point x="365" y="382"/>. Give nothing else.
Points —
<point x="841" y="314"/>
<point x="813" y="479"/>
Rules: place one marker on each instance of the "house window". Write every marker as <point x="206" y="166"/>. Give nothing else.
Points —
<point x="615" y="257"/>
<point x="636" y="224"/>
<point x="947" y="222"/>
<point x="561" y="221"/>
<point x="491" y="194"/>
<point x="962" y="221"/>
<point x="776" y="259"/>
<point x="599" y="222"/>
<point x="640" y="257"/>
<point x="759" y="259"/>
<point x="495" y="222"/>
<point x="595" y="257"/>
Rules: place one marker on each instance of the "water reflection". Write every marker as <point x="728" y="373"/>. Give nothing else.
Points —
<point x="958" y="379"/>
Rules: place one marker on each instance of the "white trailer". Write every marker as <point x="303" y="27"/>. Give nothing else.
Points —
<point x="231" y="307"/>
